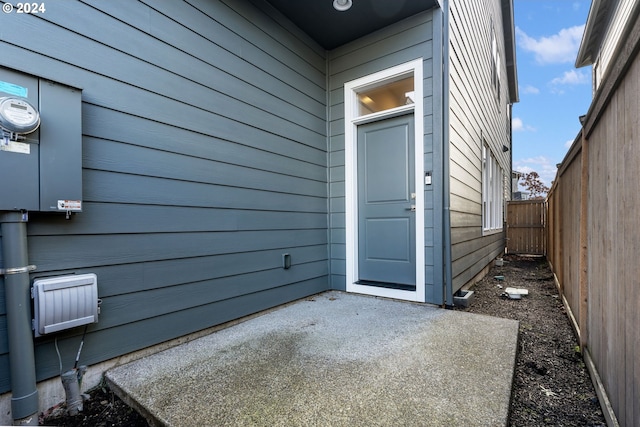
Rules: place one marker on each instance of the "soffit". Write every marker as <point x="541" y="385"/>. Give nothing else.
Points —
<point x="331" y="28"/>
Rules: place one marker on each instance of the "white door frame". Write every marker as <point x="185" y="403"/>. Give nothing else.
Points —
<point x="352" y="120"/>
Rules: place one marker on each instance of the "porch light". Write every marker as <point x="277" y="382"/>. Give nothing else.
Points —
<point x="409" y="97"/>
<point x="342" y="5"/>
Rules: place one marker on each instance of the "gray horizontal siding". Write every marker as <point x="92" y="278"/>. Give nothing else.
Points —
<point x="204" y="160"/>
<point x="51" y="253"/>
<point x="154" y="84"/>
<point x="475" y="115"/>
<point x="224" y="141"/>
<point x="469" y="267"/>
<point x="410" y="39"/>
<point x="148" y="218"/>
<point x="159" y="301"/>
<point x="123" y="279"/>
<point x="125" y="188"/>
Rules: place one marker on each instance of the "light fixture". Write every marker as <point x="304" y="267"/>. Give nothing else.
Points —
<point x="408" y="96"/>
<point x="367" y="100"/>
<point x="342" y="5"/>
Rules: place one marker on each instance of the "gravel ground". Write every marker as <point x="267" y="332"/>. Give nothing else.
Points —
<point x="551" y="383"/>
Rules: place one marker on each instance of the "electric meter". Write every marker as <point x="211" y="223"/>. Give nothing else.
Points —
<point x="18" y="116"/>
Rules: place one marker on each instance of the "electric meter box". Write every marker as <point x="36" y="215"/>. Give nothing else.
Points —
<point x="41" y="169"/>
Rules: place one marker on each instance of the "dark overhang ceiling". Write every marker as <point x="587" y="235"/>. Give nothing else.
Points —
<point x="331" y="28"/>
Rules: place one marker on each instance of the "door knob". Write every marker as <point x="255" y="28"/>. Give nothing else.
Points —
<point x="412" y="208"/>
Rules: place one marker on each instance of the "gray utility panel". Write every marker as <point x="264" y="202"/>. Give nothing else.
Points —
<point x="65" y="302"/>
<point x="42" y="170"/>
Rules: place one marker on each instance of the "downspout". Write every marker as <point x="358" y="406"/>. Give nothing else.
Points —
<point x="446" y="187"/>
<point x="504" y="207"/>
<point x="24" y="401"/>
<point x="510" y="107"/>
<point x="327" y="79"/>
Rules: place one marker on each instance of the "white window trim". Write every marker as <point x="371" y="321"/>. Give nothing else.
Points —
<point x="492" y="192"/>
<point x="352" y="120"/>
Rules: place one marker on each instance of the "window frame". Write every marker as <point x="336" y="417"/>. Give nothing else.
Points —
<point x="492" y="192"/>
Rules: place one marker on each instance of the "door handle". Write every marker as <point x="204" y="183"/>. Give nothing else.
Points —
<point x="412" y="208"/>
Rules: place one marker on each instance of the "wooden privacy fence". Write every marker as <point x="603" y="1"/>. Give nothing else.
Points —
<point x="594" y="237"/>
<point x="526" y="221"/>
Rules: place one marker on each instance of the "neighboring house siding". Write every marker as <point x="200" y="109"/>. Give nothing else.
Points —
<point x="403" y="42"/>
<point x="613" y="38"/>
<point x="204" y="160"/>
<point x="476" y="114"/>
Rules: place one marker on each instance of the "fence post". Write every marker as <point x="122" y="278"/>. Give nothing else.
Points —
<point x="584" y="254"/>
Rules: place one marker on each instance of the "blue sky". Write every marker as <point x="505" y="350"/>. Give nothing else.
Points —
<point x="553" y="93"/>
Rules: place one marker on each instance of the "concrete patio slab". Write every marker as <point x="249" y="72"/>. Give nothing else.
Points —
<point x="334" y="359"/>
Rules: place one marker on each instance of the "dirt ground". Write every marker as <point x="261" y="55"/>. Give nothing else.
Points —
<point x="551" y="383"/>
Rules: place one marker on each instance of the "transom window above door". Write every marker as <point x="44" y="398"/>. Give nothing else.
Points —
<point x="392" y="94"/>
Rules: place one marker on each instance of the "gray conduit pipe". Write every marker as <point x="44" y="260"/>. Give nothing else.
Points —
<point x="24" y="401"/>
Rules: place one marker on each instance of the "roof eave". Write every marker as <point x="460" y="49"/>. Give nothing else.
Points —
<point x="510" y="49"/>
<point x="593" y="33"/>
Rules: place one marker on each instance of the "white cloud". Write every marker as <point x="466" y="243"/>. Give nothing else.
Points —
<point x="568" y="144"/>
<point x="529" y="89"/>
<point x="523" y="169"/>
<point x="541" y="164"/>
<point x="555" y="49"/>
<point x="571" y="77"/>
<point x="518" y="126"/>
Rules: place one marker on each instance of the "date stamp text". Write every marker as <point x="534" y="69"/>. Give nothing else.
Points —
<point x="33" y="8"/>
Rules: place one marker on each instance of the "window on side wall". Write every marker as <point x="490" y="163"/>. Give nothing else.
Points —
<point x="492" y="191"/>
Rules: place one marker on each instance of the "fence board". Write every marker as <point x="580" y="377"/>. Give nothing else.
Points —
<point x="596" y="193"/>
<point x="526" y="227"/>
